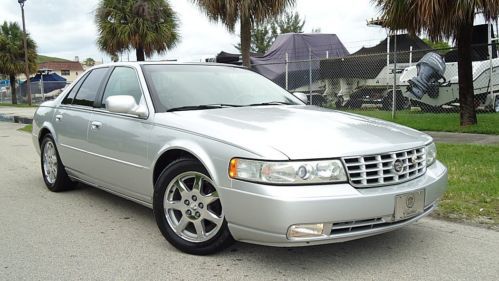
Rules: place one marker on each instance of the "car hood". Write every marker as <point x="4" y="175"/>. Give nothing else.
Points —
<point x="298" y="132"/>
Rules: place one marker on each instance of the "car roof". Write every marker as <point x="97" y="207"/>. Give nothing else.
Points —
<point x="139" y="63"/>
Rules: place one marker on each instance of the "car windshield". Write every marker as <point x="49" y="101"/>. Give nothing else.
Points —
<point x="191" y="87"/>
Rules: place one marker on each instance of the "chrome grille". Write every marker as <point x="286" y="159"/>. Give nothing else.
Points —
<point x="377" y="170"/>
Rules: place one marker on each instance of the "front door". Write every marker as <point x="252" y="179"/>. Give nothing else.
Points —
<point x="118" y="142"/>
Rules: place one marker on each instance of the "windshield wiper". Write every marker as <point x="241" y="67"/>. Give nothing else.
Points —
<point x="271" y="103"/>
<point x="201" y="107"/>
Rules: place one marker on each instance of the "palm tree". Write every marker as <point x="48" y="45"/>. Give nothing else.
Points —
<point x="443" y="19"/>
<point x="148" y="26"/>
<point x="247" y="12"/>
<point x="12" y="54"/>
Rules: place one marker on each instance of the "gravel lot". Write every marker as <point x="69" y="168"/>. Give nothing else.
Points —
<point x="87" y="234"/>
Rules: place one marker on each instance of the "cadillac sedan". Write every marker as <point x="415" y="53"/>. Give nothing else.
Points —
<point x="220" y="153"/>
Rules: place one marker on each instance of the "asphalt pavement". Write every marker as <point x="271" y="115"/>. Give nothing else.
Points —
<point x="88" y="234"/>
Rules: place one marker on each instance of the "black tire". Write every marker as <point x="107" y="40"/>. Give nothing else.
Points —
<point x="354" y="103"/>
<point x="401" y="102"/>
<point x="221" y="239"/>
<point x="339" y="103"/>
<point x="428" y="108"/>
<point x="62" y="181"/>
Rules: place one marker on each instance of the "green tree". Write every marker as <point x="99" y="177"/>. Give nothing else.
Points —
<point x="437" y="44"/>
<point x="264" y="34"/>
<point x="115" y="58"/>
<point x="442" y="47"/>
<point x="148" y="26"/>
<point x="89" y="62"/>
<point x="443" y="19"/>
<point x="248" y="12"/>
<point x="288" y="22"/>
<point x="12" y="54"/>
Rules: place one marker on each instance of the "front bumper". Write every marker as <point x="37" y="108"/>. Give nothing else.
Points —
<point x="262" y="214"/>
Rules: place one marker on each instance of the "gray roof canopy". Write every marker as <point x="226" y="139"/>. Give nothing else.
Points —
<point x="297" y="46"/>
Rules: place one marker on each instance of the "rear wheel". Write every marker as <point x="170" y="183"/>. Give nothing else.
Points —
<point x="188" y="209"/>
<point x="54" y="174"/>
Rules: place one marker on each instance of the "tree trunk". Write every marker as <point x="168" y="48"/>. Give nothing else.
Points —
<point x="13" y="88"/>
<point x="246" y="40"/>
<point x="140" y="54"/>
<point x="465" y="75"/>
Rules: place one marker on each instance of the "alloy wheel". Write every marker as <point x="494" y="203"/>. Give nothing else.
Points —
<point x="192" y="207"/>
<point x="50" y="163"/>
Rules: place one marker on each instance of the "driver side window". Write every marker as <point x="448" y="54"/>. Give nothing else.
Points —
<point x="123" y="81"/>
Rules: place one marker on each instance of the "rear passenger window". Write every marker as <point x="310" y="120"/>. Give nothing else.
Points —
<point x="123" y="81"/>
<point x="70" y="97"/>
<point x="88" y="90"/>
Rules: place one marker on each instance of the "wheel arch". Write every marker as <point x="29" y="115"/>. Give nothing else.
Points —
<point x="171" y="153"/>
<point x="44" y="130"/>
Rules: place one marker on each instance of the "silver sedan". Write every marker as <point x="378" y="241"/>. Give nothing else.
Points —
<point x="222" y="154"/>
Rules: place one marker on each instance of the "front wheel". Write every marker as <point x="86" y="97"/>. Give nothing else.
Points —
<point x="188" y="210"/>
<point x="54" y="173"/>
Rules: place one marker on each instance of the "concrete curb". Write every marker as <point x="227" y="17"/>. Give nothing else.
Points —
<point x="15" y="119"/>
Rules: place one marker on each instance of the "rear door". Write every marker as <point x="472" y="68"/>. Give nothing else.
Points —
<point x="118" y="142"/>
<point x="71" y="121"/>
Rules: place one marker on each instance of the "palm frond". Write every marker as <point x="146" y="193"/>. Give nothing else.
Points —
<point x="151" y="25"/>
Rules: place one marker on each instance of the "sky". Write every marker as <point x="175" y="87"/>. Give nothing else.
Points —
<point x="66" y="28"/>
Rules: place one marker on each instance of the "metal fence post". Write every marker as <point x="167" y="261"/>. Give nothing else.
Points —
<point x="410" y="56"/>
<point x="489" y="39"/>
<point x="286" y="70"/>
<point x="394" y="75"/>
<point x="310" y="74"/>
<point x="388" y="60"/>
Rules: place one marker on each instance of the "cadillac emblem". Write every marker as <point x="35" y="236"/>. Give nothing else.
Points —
<point x="398" y="166"/>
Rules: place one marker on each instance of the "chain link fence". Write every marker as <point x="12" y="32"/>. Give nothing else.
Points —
<point x="382" y="81"/>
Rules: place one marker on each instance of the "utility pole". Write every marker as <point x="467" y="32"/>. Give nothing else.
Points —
<point x="26" y="66"/>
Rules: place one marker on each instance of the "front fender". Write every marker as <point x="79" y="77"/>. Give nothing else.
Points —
<point x="193" y="148"/>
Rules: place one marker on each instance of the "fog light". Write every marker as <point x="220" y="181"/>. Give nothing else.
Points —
<point x="305" y="230"/>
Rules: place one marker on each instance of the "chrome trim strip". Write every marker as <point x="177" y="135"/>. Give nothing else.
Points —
<point x="105" y="157"/>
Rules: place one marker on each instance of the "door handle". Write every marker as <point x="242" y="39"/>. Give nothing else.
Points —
<point x="58" y="117"/>
<point x="95" y="125"/>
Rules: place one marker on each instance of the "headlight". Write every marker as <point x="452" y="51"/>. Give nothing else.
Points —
<point x="288" y="172"/>
<point x="431" y="154"/>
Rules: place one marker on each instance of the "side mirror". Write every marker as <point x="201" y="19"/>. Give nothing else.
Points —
<point x="301" y="96"/>
<point x="125" y="104"/>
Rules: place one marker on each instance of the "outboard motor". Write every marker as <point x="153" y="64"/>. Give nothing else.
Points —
<point x="431" y="69"/>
